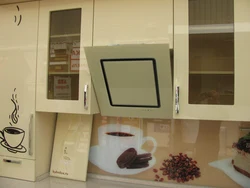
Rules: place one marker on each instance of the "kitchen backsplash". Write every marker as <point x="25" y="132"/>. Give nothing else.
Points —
<point x="189" y="152"/>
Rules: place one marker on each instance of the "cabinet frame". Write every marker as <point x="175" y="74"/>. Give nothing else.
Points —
<point x="240" y="110"/>
<point x="65" y="106"/>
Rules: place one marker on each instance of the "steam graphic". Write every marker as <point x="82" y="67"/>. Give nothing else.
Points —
<point x="20" y="16"/>
<point x="14" y="116"/>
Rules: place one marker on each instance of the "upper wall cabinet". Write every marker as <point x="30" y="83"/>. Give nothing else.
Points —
<point x="17" y="75"/>
<point x="133" y="22"/>
<point x="212" y="40"/>
<point x="4" y="2"/>
<point x="63" y="79"/>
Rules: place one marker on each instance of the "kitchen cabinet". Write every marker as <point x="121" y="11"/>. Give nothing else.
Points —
<point x="5" y="2"/>
<point x="211" y="59"/>
<point x="133" y="22"/>
<point x="24" y="151"/>
<point x="63" y="79"/>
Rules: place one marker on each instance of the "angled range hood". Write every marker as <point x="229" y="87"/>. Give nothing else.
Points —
<point x="132" y="80"/>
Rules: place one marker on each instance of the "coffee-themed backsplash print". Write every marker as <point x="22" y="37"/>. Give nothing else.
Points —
<point x="12" y="136"/>
<point x="119" y="148"/>
<point x="187" y="152"/>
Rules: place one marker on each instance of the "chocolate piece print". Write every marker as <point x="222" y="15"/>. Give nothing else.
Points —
<point x="140" y="165"/>
<point x="143" y="160"/>
<point x="144" y="155"/>
<point x="126" y="158"/>
<point x="130" y="160"/>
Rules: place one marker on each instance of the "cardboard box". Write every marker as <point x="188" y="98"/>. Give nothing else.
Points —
<point x="59" y="68"/>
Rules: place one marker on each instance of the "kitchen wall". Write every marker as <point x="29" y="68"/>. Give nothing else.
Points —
<point x="209" y="143"/>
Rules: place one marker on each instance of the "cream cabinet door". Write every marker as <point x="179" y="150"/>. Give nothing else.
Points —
<point x="211" y="59"/>
<point x="63" y="79"/>
<point x="133" y="22"/>
<point x="18" y="46"/>
<point x="4" y="2"/>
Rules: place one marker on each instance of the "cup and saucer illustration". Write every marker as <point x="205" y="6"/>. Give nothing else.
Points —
<point x="119" y="150"/>
<point x="12" y="138"/>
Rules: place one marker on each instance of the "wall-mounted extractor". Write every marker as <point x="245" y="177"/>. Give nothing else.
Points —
<point x="132" y="80"/>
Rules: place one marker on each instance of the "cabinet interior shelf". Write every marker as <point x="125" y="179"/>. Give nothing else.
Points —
<point x="62" y="73"/>
<point x="65" y="35"/>
<point x="227" y="94"/>
<point x="212" y="72"/>
<point x="212" y="28"/>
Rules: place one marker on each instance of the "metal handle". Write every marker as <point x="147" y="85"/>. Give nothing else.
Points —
<point x="85" y="96"/>
<point x="177" y="99"/>
<point x="12" y="161"/>
<point x="30" y="134"/>
<point x="244" y="128"/>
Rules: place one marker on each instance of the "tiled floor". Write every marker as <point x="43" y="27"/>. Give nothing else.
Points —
<point x="52" y="182"/>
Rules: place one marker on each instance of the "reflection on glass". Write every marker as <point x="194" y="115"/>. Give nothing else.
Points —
<point x="211" y="52"/>
<point x="189" y="131"/>
<point x="64" y="55"/>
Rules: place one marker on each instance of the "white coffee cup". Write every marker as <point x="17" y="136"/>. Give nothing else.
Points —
<point x="13" y="136"/>
<point x="116" y="138"/>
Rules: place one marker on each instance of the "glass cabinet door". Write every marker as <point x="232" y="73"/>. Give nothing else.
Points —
<point x="211" y="52"/>
<point x="64" y="54"/>
<point x="63" y="80"/>
<point x="210" y="57"/>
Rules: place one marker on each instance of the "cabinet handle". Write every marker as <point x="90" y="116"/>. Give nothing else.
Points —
<point x="177" y="95"/>
<point x="12" y="161"/>
<point x="30" y="134"/>
<point x="85" y="96"/>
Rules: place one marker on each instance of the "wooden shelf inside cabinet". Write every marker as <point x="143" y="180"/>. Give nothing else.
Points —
<point x="212" y="28"/>
<point x="62" y="73"/>
<point x="227" y="94"/>
<point x="65" y="35"/>
<point x="212" y="72"/>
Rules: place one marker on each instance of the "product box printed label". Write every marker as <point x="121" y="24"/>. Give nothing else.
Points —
<point x="62" y="87"/>
<point x="75" y="59"/>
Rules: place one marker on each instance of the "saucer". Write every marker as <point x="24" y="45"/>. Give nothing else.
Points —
<point x="107" y="164"/>
<point x="20" y="149"/>
<point x="226" y="166"/>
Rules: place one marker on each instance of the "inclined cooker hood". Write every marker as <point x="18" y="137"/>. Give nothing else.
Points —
<point x="132" y="80"/>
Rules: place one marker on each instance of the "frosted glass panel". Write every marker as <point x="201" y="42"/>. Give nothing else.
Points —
<point x="211" y="52"/>
<point x="64" y="55"/>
